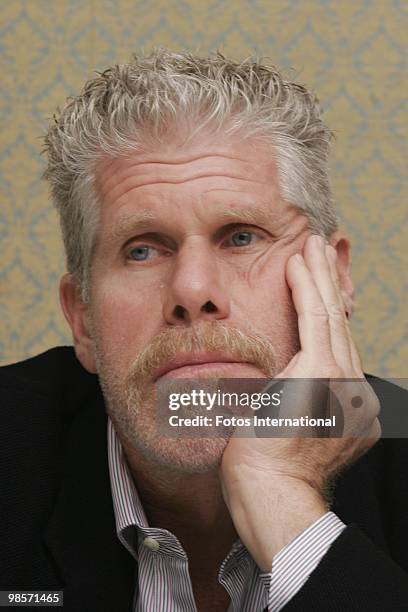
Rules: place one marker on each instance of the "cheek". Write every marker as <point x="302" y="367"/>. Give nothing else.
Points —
<point x="261" y="293"/>
<point x="126" y="317"/>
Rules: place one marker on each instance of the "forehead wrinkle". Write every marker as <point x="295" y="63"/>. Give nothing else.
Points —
<point x="115" y="163"/>
<point x="123" y="189"/>
<point x="146" y="160"/>
<point x="120" y="171"/>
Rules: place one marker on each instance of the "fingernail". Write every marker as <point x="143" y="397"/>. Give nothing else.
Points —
<point x="298" y="258"/>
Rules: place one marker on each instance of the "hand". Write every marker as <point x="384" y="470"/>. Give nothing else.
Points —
<point x="290" y="476"/>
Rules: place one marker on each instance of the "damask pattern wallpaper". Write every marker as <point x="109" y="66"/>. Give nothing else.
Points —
<point x="351" y="53"/>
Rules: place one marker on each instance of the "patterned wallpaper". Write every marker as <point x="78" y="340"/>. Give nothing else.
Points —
<point x="350" y="52"/>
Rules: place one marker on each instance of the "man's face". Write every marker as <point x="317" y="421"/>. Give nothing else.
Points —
<point x="190" y="258"/>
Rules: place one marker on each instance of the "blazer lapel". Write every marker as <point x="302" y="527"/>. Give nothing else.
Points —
<point x="97" y="571"/>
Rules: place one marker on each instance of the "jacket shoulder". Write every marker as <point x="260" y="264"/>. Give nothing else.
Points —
<point x="394" y="407"/>
<point x="40" y="400"/>
<point x="55" y="377"/>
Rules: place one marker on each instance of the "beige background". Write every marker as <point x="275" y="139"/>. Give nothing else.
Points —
<point x="350" y="52"/>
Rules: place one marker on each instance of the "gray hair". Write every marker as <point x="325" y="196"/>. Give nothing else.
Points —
<point x="133" y="106"/>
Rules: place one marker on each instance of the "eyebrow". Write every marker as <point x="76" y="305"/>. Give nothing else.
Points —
<point x="134" y="222"/>
<point x="141" y="220"/>
<point x="253" y="215"/>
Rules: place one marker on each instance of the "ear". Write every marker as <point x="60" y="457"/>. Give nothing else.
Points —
<point x="77" y="314"/>
<point x="342" y="245"/>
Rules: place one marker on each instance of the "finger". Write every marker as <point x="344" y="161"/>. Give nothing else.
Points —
<point x="317" y="262"/>
<point x="313" y="320"/>
<point x="355" y="357"/>
<point x="375" y="431"/>
<point x="370" y="437"/>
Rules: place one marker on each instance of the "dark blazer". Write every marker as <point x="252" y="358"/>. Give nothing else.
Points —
<point x="57" y="528"/>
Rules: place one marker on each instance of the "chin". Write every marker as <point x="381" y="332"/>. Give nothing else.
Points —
<point x="182" y="455"/>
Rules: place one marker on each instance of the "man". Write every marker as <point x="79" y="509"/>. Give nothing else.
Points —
<point x="201" y="242"/>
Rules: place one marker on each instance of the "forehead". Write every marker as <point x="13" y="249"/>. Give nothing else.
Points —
<point x="244" y="163"/>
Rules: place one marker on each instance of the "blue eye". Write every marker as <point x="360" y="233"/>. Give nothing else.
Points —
<point x="141" y="253"/>
<point x="242" y="238"/>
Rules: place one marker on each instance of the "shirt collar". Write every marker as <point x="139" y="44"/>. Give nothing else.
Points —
<point x="126" y="501"/>
<point x="129" y="513"/>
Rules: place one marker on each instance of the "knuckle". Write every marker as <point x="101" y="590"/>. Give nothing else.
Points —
<point x="373" y="404"/>
<point x="373" y="435"/>
<point x="321" y="313"/>
<point x="377" y="430"/>
<point x="335" y="311"/>
<point x="376" y="407"/>
<point x="332" y="370"/>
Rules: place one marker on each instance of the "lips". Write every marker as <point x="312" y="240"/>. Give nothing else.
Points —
<point x="194" y="359"/>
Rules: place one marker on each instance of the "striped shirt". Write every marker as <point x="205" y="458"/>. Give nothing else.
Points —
<point x="162" y="580"/>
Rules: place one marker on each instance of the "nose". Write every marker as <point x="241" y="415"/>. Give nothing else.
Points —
<point x="195" y="289"/>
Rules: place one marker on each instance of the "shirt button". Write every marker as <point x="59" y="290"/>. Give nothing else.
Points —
<point x="151" y="543"/>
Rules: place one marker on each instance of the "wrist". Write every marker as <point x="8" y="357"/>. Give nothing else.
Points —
<point x="269" y="514"/>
